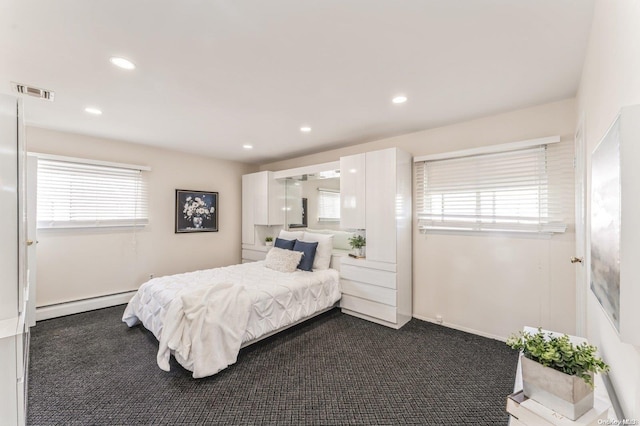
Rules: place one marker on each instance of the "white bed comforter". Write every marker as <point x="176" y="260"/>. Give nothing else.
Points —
<point x="204" y="327"/>
<point x="207" y="339"/>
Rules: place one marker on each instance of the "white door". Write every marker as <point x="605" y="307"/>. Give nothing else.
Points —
<point x="580" y="259"/>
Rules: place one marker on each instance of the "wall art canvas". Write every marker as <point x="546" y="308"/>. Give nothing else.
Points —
<point x="196" y="211"/>
<point x="605" y="223"/>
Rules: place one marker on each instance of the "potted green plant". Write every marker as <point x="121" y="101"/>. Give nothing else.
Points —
<point x="556" y="373"/>
<point x="357" y="243"/>
<point x="268" y="241"/>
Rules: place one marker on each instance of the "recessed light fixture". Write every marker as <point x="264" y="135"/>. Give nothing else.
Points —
<point x="94" y="111"/>
<point x="305" y="129"/>
<point x="400" y="99"/>
<point x="122" y="63"/>
<point x="247" y="146"/>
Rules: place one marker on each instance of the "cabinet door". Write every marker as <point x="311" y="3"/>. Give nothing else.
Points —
<point x="276" y="200"/>
<point x="9" y="220"/>
<point x="261" y="198"/>
<point x="248" y="233"/>
<point x="380" y="205"/>
<point x="352" y="191"/>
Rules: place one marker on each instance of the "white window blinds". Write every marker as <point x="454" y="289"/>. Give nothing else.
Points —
<point x="328" y="205"/>
<point x="75" y="194"/>
<point x="522" y="190"/>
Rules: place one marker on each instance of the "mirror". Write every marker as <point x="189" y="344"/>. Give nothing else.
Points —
<point x="313" y="200"/>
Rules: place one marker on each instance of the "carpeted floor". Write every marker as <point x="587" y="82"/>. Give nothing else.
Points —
<point x="91" y="369"/>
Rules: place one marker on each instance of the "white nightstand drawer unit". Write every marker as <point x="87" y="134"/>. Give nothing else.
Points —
<point x="368" y="309"/>
<point x="254" y="253"/>
<point x="369" y="292"/>
<point x="367" y="275"/>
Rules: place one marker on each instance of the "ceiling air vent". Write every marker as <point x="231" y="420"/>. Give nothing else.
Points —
<point x="33" y="91"/>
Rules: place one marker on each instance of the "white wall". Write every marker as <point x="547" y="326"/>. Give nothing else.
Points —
<point x="611" y="80"/>
<point x="489" y="285"/>
<point x="79" y="264"/>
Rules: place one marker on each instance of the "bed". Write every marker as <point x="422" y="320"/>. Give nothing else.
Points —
<point x="203" y="318"/>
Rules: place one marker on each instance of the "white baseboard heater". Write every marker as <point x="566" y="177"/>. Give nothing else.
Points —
<point x="84" y="305"/>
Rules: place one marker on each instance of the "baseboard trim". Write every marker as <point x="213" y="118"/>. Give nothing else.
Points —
<point x="77" y="306"/>
<point x="458" y="327"/>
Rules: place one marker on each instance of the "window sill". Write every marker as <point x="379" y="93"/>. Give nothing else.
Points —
<point x="93" y="228"/>
<point x="534" y="235"/>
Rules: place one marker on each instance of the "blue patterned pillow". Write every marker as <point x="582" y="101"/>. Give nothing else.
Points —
<point x="284" y="244"/>
<point x="309" y="254"/>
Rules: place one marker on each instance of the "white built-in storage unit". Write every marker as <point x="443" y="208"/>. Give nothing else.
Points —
<point x="14" y="288"/>
<point x="262" y="207"/>
<point x="379" y="287"/>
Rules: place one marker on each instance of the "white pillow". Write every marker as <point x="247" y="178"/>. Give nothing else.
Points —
<point x="323" y="252"/>
<point x="341" y="240"/>
<point x="319" y="231"/>
<point x="291" y="235"/>
<point x="282" y="260"/>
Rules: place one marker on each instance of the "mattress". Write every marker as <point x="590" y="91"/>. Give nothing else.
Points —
<point x="277" y="299"/>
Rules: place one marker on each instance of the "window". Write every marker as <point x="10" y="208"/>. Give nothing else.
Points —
<point x="528" y="189"/>
<point x="75" y="193"/>
<point x="328" y="205"/>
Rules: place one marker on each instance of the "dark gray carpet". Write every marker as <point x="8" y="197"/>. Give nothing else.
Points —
<point x="91" y="369"/>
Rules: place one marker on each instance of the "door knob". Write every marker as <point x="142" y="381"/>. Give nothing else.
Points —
<point x="29" y="242"/>
<point x="576" y="259"/>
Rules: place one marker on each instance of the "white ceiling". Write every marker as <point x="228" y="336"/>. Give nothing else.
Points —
<point x="213" y="75"/>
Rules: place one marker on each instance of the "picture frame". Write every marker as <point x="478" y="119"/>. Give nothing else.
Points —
<point x="606" y="223"/>
<point x="615" y="224"/>
<point x="196" y="211"/>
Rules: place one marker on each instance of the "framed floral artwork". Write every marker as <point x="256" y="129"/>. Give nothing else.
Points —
<point x="196" y="211"/>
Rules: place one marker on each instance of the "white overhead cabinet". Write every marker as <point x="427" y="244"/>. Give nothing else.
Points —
<point x="15" y="298"/>
<point x="262" y="206"/>
<point x="378" y="288"/>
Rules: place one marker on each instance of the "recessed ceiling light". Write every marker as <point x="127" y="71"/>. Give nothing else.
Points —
<point x="122" y="63"/>
<point x="247" y="146"/>
<point x="400" y="99"/>
<point x="94" y="111"/>
<point x="305" y="129"/>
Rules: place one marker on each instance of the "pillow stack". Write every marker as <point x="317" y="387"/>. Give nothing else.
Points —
<point x="314" y="249"/>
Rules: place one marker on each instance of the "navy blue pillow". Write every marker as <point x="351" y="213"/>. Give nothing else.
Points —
<point x="309" y="253"/>
<point x="284" y="244"/>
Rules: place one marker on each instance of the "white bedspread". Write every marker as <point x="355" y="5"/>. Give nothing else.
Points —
<point x="204" y="328"/>
<point x="275" y="300"/>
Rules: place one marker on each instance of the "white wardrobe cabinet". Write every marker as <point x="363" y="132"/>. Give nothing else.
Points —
<point x="15" y="303"/>
<point x="263" y="203"/>
<point x="379" y="288"/>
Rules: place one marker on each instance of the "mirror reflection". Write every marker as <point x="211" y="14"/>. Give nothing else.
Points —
<point x="313" y="201"/>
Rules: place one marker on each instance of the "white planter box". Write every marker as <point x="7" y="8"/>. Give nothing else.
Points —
<point x="568" y="395"/>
